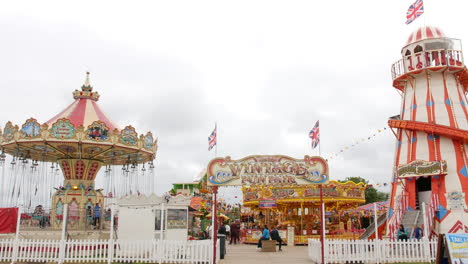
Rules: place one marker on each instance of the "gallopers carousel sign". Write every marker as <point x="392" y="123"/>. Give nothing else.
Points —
<point x="267" y="170"/>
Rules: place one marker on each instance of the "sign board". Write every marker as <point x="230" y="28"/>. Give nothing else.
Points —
<point x="457" y="245"/>
<point x="420" y="168"/>
<point x="267" y="170"/>
<point x="267" y="204"/>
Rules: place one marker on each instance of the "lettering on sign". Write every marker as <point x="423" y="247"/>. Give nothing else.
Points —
<point x="419" y="168"/>
<point x="267" y="170"/>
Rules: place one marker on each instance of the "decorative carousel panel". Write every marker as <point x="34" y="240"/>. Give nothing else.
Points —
<point x="30" y="129"/>
<point x="79" y="169"/>
<point x="129" y="136"/>
<point x="63" y="129"/>
<point x="67" y="172"/>
<point x="93" y="170"/>
<point x="148" y="141"/>
<point x="9" y="132"/>
<point x="98" y="131"/>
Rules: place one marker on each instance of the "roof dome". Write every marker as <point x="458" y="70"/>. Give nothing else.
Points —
<point x="426" y="32"/>
<point x="85" y="110"/>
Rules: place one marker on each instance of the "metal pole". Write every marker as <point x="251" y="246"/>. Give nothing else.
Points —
<point x="20" y="208"/>
<point x="64" y="230"/>
<point x="110" y="255"/>
<point x="215" y="229"/>
<point x="322" y="224"/>
<point x="163" y="227"/>
<point x="16" y="243"/>
<point x="64" y="221"/>
<point x="375" y="222"/>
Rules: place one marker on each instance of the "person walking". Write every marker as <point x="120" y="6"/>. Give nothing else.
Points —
<point x="265" y="236"/>
<point x="276" y="236"/>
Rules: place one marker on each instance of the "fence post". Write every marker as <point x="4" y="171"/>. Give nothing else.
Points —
<point x="62" y="246"/>
<point x="16" y="243"/>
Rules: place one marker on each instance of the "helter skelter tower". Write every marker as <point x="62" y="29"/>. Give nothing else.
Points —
<point x="81" y="139"/>
<point x="431" y="163"/>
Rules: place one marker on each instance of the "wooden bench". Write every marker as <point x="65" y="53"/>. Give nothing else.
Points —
<point x="268" y="245"/>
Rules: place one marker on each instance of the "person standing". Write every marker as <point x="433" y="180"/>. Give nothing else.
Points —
<point x="265" y="236"/>
<point x="234" y="233"/>
<point x="228" y="230"/>
<point x="276" y="236"/>
<point x="97" y="216"/>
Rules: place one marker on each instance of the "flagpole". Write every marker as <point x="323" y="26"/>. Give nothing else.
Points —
<point x="216" y="129"/>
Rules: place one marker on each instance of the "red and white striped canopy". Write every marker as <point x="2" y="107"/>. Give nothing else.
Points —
<point x="426" y="32"/>
<point x="85" y="110"/>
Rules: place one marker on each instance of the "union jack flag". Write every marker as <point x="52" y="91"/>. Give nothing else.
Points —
<point x="414" y="11"/>
<point x="314" y="134"/>
<point x="212" y="139"/>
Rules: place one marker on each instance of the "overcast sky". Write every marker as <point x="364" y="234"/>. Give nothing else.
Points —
<point x="265" y="71"/>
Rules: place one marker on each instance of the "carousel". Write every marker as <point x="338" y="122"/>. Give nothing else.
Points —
<point x="297" y="209"/>
<point x="80" y="140"/>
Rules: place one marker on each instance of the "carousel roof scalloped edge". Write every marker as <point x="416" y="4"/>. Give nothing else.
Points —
<point x="64" y="131"/>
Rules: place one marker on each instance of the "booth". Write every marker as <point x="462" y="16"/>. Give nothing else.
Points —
<point x="153" y="217"/>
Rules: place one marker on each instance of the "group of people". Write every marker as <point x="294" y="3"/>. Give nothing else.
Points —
<point x="403" y="233"/>
<point x="267" y="234"/>
<point x="232" y="231"/>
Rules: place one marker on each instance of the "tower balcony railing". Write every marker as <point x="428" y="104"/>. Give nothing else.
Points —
<point x="427" y="59"/>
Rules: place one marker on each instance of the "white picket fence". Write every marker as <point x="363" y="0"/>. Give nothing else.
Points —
<point x="373" y="251"/>
<point x="146" y="251"/>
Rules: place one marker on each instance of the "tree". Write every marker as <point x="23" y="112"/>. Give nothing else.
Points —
<point x="371" y="194"/>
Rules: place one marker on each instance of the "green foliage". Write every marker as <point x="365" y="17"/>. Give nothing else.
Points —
<point x="372" y="195"/>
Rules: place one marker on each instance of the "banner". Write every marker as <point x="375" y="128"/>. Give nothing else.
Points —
<point x="267" y="204"/>
<point x="8" y="218"/>
<point x="267" y="170"/>
<point x="420" y="168"/>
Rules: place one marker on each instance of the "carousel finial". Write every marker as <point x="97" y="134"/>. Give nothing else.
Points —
<point x="87" y="86"/>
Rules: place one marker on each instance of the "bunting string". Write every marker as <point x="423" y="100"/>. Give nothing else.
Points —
<point x="356" y="143"/>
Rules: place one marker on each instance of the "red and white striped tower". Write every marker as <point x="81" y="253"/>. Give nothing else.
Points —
<point x="431" y="163"/>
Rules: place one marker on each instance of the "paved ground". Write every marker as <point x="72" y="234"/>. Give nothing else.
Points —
<point x="250" y="254"/>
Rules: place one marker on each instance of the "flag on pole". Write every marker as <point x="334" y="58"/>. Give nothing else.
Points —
<point x="212" y="139"/>
<point x="314" y="134"/>
<point x="414" y="11"/>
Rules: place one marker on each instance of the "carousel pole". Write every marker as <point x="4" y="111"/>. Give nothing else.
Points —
<point x="322" y="225"/>
<point x="215" y="220"/>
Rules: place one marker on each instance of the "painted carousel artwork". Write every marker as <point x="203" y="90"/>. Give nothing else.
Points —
<point x="78" y="141"/>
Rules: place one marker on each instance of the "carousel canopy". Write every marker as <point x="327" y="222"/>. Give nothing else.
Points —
<point x="81" y="131"/>
<point x="85" y="110"/>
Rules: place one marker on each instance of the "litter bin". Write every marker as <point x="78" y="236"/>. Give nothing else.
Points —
<point x="222" y="245"/>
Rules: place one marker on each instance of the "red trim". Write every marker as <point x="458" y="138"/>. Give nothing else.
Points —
<point x="418" y="34"/>
<point x="103" y="117"/>
<point x="442" y="189"/>
<point x="77" y="116"/>
<point x="460" y="165"/>
<point x="462" y="99"/>
<point x="429" y="33"/>
<point x="448" y="107"/>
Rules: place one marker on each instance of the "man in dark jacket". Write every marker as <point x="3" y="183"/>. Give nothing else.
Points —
<point x="275" y="236"/>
